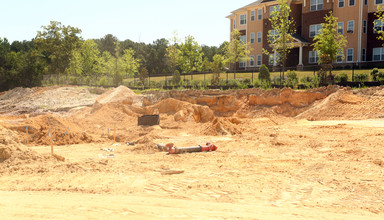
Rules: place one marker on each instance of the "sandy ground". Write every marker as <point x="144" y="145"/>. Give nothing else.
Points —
<point x="268" y="168"/>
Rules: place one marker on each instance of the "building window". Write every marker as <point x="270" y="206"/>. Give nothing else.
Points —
<point x="340" y="28"/>
<point x="316" y="5"/>
<point x="378" y="54"/>
<point x="364" y="55"/>
<point x="351" y="2"/>
<point x="252" y="15"/>
<point x="378" y="26"/>
<point x="339" y="56"/>
<point x="351" y="26"/>
<point x="272" y="58"/>
<point x="341" y="3"/>
<point x="259" y="36"/>
<point x="350" y="55"/>
<point x="258" y="60"/>
<point x="259" y="14"/>
<point x="272" y="35"/>
<point x="252" y="38"/>
<point x="252" y="61"/>
<point x="379" y="2"/>
<point x="243" y="38"/>
<point x="234" y="23"/>
<point x="242" y="63"/>
<point x="313" y="56"/>
<point x="243" y="19"/>
<point x="314" y="30"/>
<point x="365" y="26"/>
<point x="273" y="10"/>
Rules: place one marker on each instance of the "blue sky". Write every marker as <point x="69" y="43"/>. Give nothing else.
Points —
<point x="137" y="20"/>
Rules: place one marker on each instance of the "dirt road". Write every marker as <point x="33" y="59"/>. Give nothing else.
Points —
<point x="54" y="205"/>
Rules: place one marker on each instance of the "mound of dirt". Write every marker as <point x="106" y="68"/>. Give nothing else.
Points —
<point x="347" y="104"/>
<point x="121" y="95"/>
<point x="60" y="128"/>
<point x="222" y="126"/>
<point x="11" y="151"/>
<point x="42" y="100"/>
<point x="182" y="111"/>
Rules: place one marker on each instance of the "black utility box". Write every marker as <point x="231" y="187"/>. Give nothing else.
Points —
<point x="149" y="120"/>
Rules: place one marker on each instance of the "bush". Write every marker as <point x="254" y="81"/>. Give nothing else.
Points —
<point x="176" y="78"/>
<point x="103" y="81"/>
<point x="264" y="73"/>
<point x="310" y="82"/>
<point x="117" y="79"/>
<point x="342" y="77"/>
<point x="361" y="77"/>
<point x="377" y="75"/>
<point x="263" y="84"/>
<point x="215" y="79"/>
<point x="307" y="81"/>
<point x="292" y="80"/>
<point x="195" y="83"/>
<point x="277" y="80"/>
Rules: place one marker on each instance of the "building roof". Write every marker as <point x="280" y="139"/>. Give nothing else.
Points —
<point x="300" y="38"/>
<point x="256" y="3"/>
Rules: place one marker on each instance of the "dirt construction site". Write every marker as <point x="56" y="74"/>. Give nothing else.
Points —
<point x="79" y="153"/>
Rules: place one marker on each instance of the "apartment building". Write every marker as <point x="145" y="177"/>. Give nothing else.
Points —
<point x="356" y="21"/>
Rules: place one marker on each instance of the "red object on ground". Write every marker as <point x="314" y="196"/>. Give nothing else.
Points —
<point x="209" y="147"/>
<point x="179" y="150"/>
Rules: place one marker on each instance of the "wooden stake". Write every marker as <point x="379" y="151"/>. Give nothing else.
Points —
<point x="69" y="136"/>
<point x="51" y="147"/>
<point x="27" y="135"/>
<point x="114" y="134"/>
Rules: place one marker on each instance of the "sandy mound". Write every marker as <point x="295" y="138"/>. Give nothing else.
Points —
<point x="222" y="126"/>
<point x="13" y="153"/>
<point x="182" y="111"/>
<point x="348" y="104"/>
<point x="121" y="95"/>
<point x="38" y="129"/>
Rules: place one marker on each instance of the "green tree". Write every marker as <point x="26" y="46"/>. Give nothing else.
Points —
<point x="107" y="64"/>
<point x="380" y="16"/>
<point x="236" y="50"/>
<point x="91" y="58"/>
<point x="107" y="43"/>
<point x="143" y="76"/>
<point x="191" y="56"/>
<point x="264" y="74"/>
<point x="76" y="64"/>
<point x="129" y="64"/>
<point x="56" y="43"/>
<point x="280" y="37"/>
<point x="173" y="53"/>
<point x="329" y="45"/>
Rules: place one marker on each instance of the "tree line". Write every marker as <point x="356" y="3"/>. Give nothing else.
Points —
<point x="60" y="50"/>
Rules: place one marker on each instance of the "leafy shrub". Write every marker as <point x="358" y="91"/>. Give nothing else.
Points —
<point x="103" y="81"/>
<point x="307" y="81"/>
<point x="310" y="82"/>
<point x="195" y="83"/>
<point x="117" y="79"/>
<point x="377" y="75"/>
<point x="292" y="80"/>
<point x="215" y="79"/>
<point x="246" y="81"/>
<point x="176" y="78"/>
<point x="263" y="84"/>
<point x="276" y="80"/>
<point x="361" y="77"/>
<point x="264" y="73"/>
<point x="342" y="77"/>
